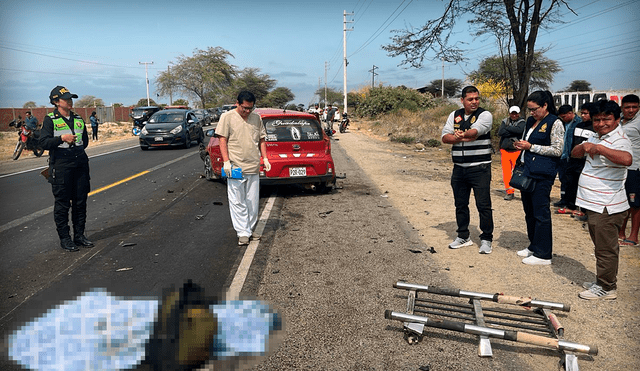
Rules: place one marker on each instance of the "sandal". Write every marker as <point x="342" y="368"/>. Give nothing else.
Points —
<point x="565" y="210"/>
<point x="577" y="213"/>
<point x="626" y="242"/>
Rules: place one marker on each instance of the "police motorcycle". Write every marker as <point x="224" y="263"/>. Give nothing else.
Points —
<point x="27" y="139"/>
<point x="344" y="122"/>
<point x="140" y="116"/>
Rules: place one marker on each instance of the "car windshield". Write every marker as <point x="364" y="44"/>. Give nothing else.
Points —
<point x="293" y="129"/>
<point x="166" y="117"/>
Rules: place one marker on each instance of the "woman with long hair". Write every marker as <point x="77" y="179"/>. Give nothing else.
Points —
<point x="541" y="150"/>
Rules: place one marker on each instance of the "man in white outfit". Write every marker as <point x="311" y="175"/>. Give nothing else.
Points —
<point x="241" y="145"/>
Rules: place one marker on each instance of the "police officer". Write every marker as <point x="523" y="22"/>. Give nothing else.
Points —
<point x="64" y="134"/>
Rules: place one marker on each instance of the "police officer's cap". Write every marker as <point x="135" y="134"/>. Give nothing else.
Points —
<point x="60" y="92"/>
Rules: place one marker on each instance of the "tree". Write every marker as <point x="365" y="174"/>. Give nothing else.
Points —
<point x="579" y="85"/>
<point x="278" y="97"/>
<point x="513" y="23"/>
<point x="250" y="79"/>
<point x="117" y="104"/>
<point x="181" y="102"/>
<point x="333" y="96"/>
<point x="143" y="102"/>
<point x="88" y="101"/>
<point x="204" y="76"/>
<point x="452" y="87"/>
<point x="29" y="104"/>
<point x="498" y="69"/>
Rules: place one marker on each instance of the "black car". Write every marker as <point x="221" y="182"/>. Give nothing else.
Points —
<point x="203" y="116"/>
<point x="171" y="127"/>
<point x="215" y="114"/>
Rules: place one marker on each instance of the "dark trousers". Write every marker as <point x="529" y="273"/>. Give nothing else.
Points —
<point x="463" y="180"/>
<point x="537" y="215"/>
<point x="70" y="188"/>
<point x="570" y="182"/>
<point x="603" y="229"/>
<point x="94" y="132"/>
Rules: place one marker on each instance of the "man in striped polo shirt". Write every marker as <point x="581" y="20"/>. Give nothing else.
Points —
<point x="469" y="131"/>
<point x="602" y="194"/>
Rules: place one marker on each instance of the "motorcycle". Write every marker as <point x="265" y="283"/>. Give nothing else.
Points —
<point x="140" y="116"/>
<point x="27" y="139"/>
<point x="344" y="123"/>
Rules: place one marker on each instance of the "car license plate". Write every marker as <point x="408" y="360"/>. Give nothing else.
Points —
<point x="158" y="139"/>
<point x="297" y="171"/>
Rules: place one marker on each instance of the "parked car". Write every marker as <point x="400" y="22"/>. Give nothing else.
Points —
<point x="228" y="107"/>
<point x="215" y="114"/>
<point x="172" y="127"/>
<point x="297" y="148"/>
<point x="203" y="116"/>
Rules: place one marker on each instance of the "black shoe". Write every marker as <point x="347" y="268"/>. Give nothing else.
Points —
<point x="559" y="204"/>
<point x="68" y="245"/>
<point x="83" y="241"/>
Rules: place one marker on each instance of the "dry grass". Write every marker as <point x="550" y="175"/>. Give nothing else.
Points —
<point x="410" y="127"/>
<point x="107" y="132"/>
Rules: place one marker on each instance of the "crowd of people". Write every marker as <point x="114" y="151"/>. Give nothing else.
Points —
<point x="596" y="157"/>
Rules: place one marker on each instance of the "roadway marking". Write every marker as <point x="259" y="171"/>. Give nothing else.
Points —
<point x="243" y="269"/>
<point x="37" y="214"/>
<point x="40" y="168"/>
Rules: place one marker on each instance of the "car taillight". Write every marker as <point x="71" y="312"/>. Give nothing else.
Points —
<point x="327" y="145"/>
<point x="329" y="168"/>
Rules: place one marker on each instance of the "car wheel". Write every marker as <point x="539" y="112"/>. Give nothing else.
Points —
<point x="144" y="148"/>
<point x="187" y="140"/>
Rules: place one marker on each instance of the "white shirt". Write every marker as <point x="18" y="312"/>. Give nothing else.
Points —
<point x="601" y="183"/>
<point x="631" y="129"/>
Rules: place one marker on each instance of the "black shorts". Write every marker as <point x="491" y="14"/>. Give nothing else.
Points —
<point x="632" y="187"/>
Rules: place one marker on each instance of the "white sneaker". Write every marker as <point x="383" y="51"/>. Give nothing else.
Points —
<point x="485" y="247"/>
<point x="596" y="292"/>
<point x="525" y="253"/>
<point x="532" y="260"/>
<point x="460" y="242"/>
<point x="587" y="285"/>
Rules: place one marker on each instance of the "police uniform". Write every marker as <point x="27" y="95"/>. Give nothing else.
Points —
<point x="68" y="174"/>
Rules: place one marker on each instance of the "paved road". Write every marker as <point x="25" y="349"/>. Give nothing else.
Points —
<point x="163" y="225"/>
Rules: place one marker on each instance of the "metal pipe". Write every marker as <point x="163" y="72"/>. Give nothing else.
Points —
<point x="495" y="323"/>
<point x="498" y="298"/>
<point x="517" y="336"/>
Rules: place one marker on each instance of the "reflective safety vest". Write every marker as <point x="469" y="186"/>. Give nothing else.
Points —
<point x="61" y="128"/>
<point x="475" y="152"/>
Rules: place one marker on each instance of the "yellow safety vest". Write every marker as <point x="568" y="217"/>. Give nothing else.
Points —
<point x="61" y="128"/>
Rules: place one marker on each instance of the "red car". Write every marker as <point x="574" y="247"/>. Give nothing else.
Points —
<point x="298" y="149"/>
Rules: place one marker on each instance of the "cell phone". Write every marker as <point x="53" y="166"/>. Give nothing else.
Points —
<point x="514" y="140"/>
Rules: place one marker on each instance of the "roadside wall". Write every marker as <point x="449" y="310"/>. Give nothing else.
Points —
<point x="105" y="114"/>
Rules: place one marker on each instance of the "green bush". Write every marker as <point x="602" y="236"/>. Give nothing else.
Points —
<point x="403" y="139"/>
<point x="390" y="99"/>
<point x="433" y="143"/>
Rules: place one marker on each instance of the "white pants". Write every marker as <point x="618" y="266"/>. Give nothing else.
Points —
<point x="244" y="197"/>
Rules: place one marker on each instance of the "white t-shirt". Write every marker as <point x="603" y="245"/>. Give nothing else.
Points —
<point x="243" y="139"/>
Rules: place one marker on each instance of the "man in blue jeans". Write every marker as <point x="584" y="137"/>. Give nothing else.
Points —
<point x="469" y="131"/>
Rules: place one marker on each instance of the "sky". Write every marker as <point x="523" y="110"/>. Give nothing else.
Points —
<point x="96" y="47"/>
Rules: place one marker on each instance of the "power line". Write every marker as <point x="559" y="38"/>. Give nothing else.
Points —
<point x="70" y="74"/>
<point x="380" y="29"/>
<point x="67" y="59"/>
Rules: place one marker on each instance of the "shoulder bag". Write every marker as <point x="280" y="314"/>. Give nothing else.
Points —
<point x="521" y="181"/>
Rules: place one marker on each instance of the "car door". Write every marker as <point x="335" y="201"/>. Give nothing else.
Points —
<point x="192" y="124"/>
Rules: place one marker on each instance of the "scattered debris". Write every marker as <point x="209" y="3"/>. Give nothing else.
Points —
<point x="12" y="296"/>
<point x="432" y="250"/>
<point x="325" y="213"/>
<point x="217" y="202"/>
<point x="415" y="251"/>
<point x="123" y="269"/>
<point x="127" y="244"/>
<point x="169" y="190"/>
<point x="198" y="217"/>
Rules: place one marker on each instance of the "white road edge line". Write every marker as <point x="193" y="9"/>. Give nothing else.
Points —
<point x="243" y="269"/>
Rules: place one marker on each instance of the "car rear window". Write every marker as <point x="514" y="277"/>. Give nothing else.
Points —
<point x="166" y="117"/>
<point x="292" y="129"/>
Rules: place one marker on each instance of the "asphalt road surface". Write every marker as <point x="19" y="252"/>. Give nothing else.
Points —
<point x="155" y="220"/>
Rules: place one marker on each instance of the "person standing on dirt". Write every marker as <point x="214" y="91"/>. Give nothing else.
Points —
<point x="94" y="125"/>
<point x="64" y="134"/>
<point x="30" y="122"/>
<point x="631" y="126"/>
<point x="510" y="130"/>
<point x="331" y="113"/>
<point x="469" y="131"/>
<point x="541" y="150"/>
<point x="242" y="142"/>
<point x="570" y="120"/>
<point x="602" y="194"/>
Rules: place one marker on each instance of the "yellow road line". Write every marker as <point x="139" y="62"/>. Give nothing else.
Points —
<point x="118" y="182"/>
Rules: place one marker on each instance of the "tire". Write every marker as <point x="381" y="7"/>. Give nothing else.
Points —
<point x="38" y="151"/>
<point x="208" y="169"/>
<point x="187" y="140"/>
<point x="18" y="151"/>
<point x="343" y="128"/>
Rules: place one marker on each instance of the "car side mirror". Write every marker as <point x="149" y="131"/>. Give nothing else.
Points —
<point x="211" y="133"/>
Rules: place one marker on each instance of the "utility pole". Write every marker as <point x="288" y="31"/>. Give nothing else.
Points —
<point x="344" y="44"/>
<point x="442" y="90"/>
<point x="146" y="75"/>
<point x="170" y="91"/>
<point x="373" y="75"/>
<point x="326" y="64"/>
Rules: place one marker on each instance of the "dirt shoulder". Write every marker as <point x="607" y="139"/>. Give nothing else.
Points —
<point x="335" y="258"/>
<point x="417" y="184"/>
